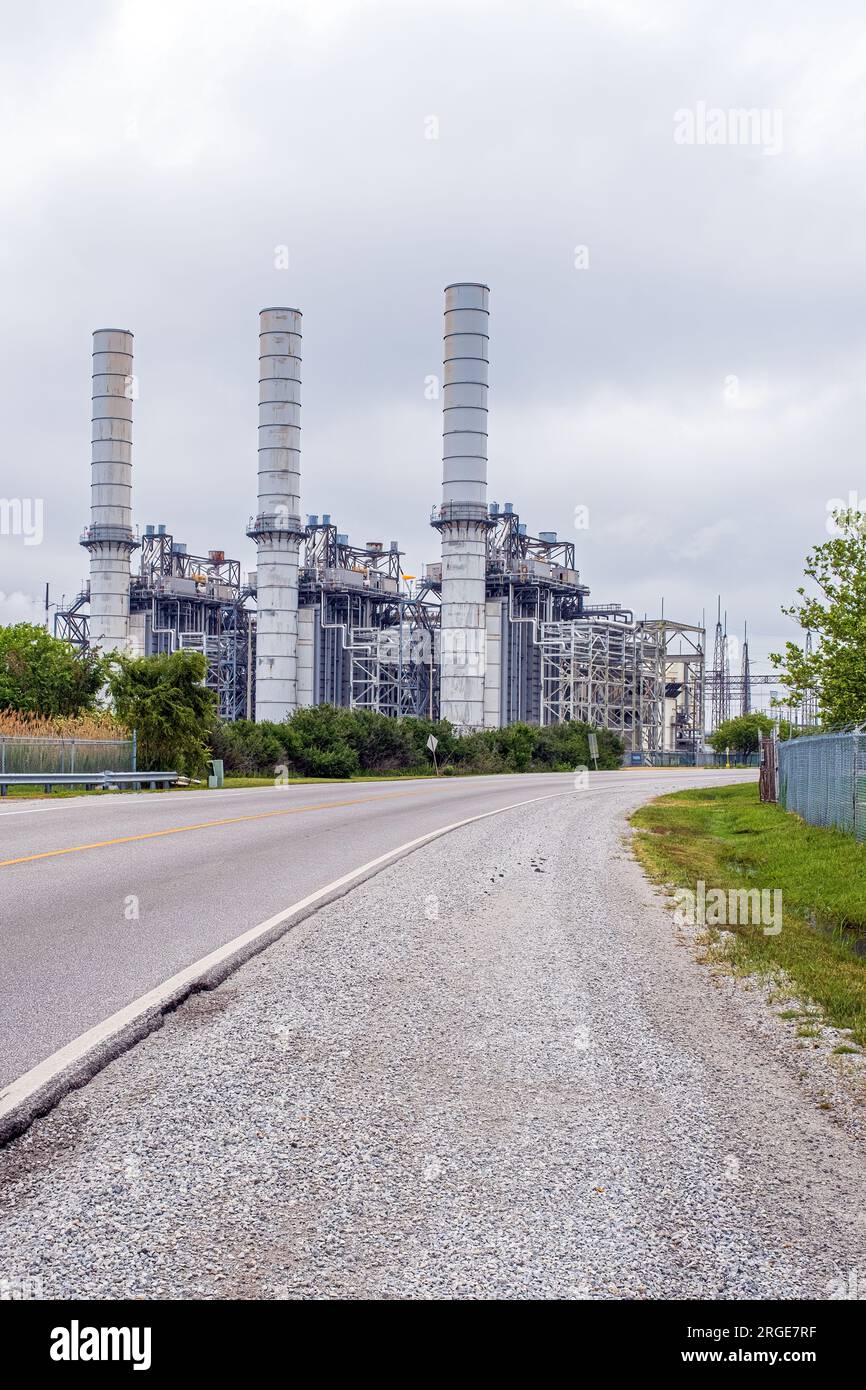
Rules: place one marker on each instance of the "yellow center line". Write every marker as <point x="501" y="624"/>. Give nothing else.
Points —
<point x="202" y="825"/>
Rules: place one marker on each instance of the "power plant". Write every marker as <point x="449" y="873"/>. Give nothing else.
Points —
<point x="498" y="630"/>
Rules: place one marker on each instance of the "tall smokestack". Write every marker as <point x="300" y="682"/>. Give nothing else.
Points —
<point x="110" y="538"/>
<point x="277" y="530"/>
<point x="462" y="517"/>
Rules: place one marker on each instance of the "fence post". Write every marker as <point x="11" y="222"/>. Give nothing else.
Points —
<point x="768" y="786"/>
<point x="135" y="750"/>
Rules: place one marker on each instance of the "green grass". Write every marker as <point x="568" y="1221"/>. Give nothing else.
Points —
<point x="35" y="794"/>
<point x="726" y="837"/>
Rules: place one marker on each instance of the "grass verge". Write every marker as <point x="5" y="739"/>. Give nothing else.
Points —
<point x="727" y="838"/>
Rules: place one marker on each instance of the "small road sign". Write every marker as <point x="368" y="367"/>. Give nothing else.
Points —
<point x="593" y="749"/>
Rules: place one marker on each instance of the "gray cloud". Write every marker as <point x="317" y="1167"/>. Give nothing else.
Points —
<point x="155" y="155"/>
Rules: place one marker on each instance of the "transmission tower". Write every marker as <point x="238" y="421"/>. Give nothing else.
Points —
<point x="726" y="696"/>
<point x="745" y="675"/>
<point x="719" y="675"/>
<point x="810" y="699"/>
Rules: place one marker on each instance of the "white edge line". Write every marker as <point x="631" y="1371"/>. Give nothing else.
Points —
<point x="36" y="1091"/>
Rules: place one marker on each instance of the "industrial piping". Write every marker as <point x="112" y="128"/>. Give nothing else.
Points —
<point x="110" y="538"/>
<point x="277" y="529"/>
<point x="462" y="518"/>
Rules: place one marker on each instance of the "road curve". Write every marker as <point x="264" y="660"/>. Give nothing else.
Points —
<point x="493" y="1070"/>
<point x="103" y="899"/>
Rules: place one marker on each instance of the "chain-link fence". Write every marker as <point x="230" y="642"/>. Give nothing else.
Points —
<point x="21" y="754"/>
<point x="822" y="777"/>
<point x="732" y="758"/>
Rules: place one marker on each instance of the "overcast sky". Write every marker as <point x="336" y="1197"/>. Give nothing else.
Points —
<point x="694" y="376"/>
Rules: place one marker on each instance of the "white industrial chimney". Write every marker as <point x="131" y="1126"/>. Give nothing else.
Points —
<point x="462" y="517"/>
<point x="110" y="538"/>
<point x="277" y="529"/>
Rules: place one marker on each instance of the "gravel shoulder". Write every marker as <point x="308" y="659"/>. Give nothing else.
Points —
<point x="492" y="1071"/>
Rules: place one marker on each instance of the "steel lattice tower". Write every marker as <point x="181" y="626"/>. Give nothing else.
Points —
<point x="719" y="679"/>
<point x="745" y="675"/>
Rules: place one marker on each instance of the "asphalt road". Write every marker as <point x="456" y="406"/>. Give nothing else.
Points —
<point x="495" y="1069"/>
<point x="103" y="899"/>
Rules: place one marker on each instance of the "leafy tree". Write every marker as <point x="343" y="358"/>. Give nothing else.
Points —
<point x="164" y="698"/>
<point x="741" y="735"/>
<point x="39" y="674"/>
<point x="836" y="669"/>
<point x="786" y="729"/>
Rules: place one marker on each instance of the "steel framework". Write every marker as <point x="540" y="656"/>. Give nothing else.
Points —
<point x="607" y="674"/>
<point x="720" y="682"/>
<point x="375" y="645"/>
<point x="392" y="671"/>
<point x="745" y="676"/>
<point x="72" y="624"/>
<point x="184" y="600"/>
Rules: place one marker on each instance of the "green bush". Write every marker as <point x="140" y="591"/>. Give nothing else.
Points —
<point x="561" y="747"/>
<point x="323" y="741"/>
<point x="516" y="745"/>
<point x="331" y="762"/>
<point x="249" y="749"/>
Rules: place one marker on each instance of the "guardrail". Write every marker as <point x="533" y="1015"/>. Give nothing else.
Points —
<point x="106" y="780"/>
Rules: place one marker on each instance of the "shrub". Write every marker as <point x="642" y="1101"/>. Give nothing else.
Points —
<point x="248" y="749"/>
<point x="323" y="741"/>
<point x="331" y="762"/>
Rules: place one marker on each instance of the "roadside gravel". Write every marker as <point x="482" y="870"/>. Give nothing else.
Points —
<point x="492" y="1071"/>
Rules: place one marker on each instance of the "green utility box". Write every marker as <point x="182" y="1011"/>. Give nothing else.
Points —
<point x="216" y="777"/>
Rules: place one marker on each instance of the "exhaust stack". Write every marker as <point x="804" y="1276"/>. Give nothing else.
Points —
<point x="277" y="529"/>
<point x="110" y="538"/>
<point x="462" y="519"/>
